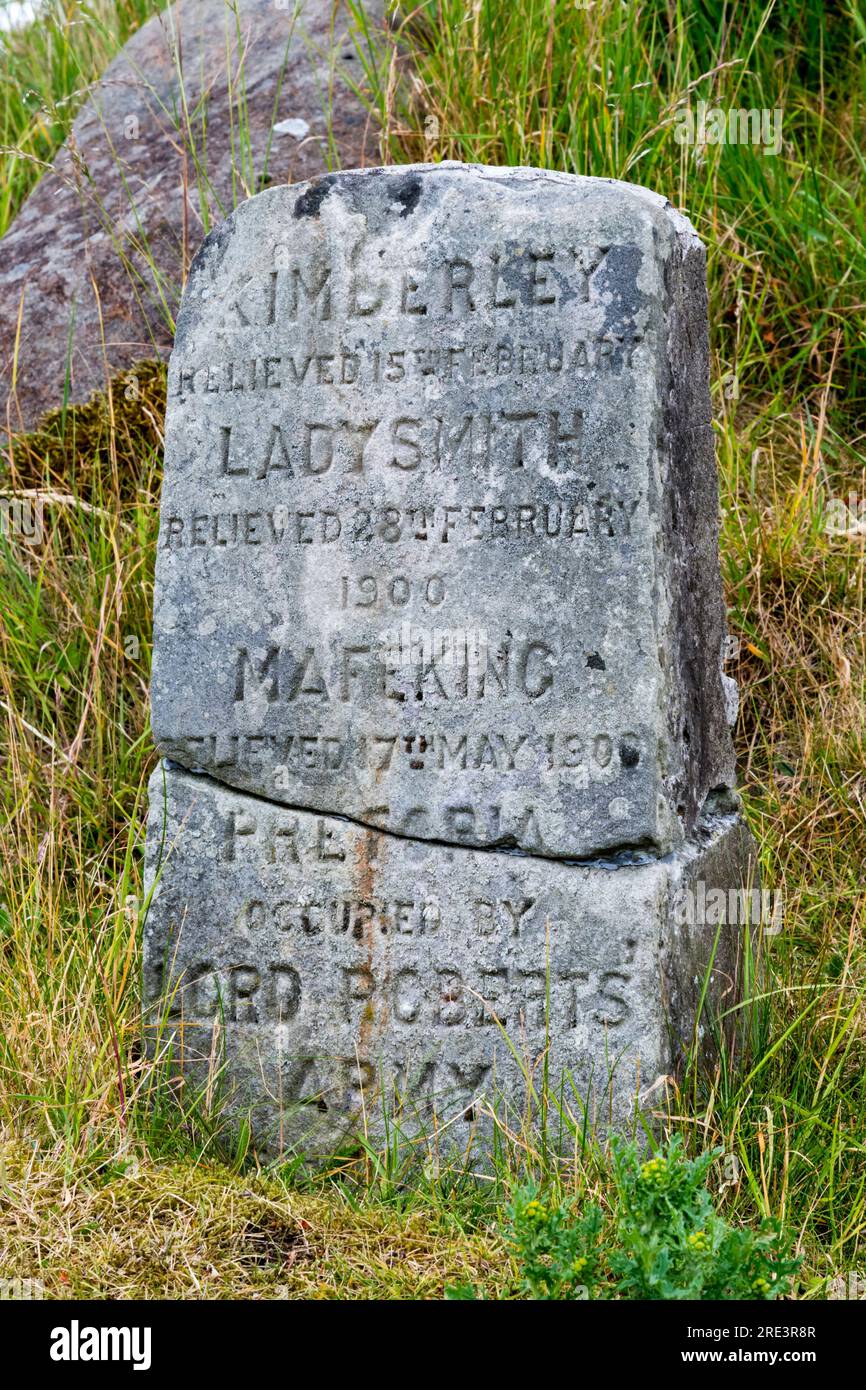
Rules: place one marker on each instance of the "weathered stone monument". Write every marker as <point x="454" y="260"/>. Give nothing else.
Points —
<point x="437" y="655"/>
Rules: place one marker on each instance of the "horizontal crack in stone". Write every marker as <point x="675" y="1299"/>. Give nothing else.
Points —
<point x="623" y="856"/>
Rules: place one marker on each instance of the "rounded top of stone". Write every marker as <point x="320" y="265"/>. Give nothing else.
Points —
<point x="307" y="199"/>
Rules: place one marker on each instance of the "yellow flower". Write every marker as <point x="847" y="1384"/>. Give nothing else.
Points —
<point x="579" y="1266"/>
<point x="654" y="1169"/>
<point x="699" y="1241"/>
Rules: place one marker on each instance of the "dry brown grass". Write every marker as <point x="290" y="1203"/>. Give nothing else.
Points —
<point x="181" y="1231"/>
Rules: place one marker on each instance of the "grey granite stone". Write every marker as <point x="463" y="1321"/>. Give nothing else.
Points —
<point x="99" y="251"/>
<point x="316" y="975"/>
<point x="437" y="661"/>
<point x="438" y="548"/>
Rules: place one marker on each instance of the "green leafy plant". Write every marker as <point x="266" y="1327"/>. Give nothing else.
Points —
<point x="666" y="1241"/>
<point x="672" y="1242"/>
<point x="558" y="1255"/>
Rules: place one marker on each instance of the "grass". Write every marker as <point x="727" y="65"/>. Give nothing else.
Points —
<point x="181" y="1230"/>
<point x="46" y="73"/>
<point x="596" y="92"/>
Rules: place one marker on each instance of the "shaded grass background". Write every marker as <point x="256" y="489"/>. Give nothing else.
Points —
<point x="45" y="74"/>
<point x="589" y="90"/>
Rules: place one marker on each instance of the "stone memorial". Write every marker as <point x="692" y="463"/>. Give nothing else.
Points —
<point x="437" y="654"/>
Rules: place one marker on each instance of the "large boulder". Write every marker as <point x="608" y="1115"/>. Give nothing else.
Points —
<point x="207" y="104"/>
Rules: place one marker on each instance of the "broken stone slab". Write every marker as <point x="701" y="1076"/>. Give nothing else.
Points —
<point x="317" y="975"/>
<point x="438" y="544"/>
<point x="98" y="253"/>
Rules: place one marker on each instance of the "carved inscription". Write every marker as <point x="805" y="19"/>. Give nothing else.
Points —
<point x="507" y="277"/>
<point x="295" y="866"/>
<point x="432" y="419"/>
<point x="392" y="366"/>
<point x="251" y="993"/>
<point x="605" y="516"/>
<point x="436" y="638"/>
